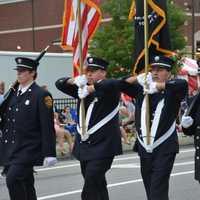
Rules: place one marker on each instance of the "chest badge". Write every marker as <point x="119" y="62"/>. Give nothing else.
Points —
<point x="27" y="102"/>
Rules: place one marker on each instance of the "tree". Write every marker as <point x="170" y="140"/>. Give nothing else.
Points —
<point x="114" y="41"/>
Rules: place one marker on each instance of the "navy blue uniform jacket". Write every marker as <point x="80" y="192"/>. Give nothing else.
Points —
<point x="106" y="141"/>
<point x="28" y="133"/>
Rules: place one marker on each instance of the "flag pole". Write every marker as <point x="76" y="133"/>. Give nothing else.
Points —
<point x="146" y="38"/>
<point x="82" y="108"/>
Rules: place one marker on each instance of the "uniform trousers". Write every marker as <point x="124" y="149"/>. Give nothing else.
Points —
<point x="95" y="185"/>
<point x="20" y="182"/>
<point x="156" y="170"/>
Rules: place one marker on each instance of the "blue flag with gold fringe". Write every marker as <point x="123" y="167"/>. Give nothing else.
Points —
<point x="159" y="38"/>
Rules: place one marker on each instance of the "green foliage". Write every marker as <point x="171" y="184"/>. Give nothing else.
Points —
<point x="178" y="62"/>
<point x="176" y="19"/>
<point x="114" y="41"/>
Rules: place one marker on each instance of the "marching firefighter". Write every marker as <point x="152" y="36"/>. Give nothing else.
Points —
<point x="96" y="148"/>
<point x="165" y="94"/>
<point x="27" y="135"/>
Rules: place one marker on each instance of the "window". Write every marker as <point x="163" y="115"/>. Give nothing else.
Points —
<point x="197" y="6"/>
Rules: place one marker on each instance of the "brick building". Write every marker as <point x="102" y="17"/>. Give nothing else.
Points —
<point x="191" y="6"/>
<point x="29" y="25"/>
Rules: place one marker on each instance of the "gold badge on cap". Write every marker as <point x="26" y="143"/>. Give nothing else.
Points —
<point x="48" y="101"/>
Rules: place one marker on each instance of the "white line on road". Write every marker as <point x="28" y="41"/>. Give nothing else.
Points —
<point x="116" y="159"/>
<point x="110" y="185"/>
<point x="137" y="165"/>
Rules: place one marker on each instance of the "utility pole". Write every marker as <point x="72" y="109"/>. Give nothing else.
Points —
<point x="193" y="29"/>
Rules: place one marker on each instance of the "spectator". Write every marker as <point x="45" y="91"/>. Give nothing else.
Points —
<point x="122" y="113"/>
<point x="66" y="115"/>
<point x="61" y="134"/>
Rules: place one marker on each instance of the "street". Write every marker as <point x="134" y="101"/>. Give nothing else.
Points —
<point x="64" y="181"/>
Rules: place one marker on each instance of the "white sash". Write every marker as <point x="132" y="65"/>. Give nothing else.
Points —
<point x="99" y="124"/>
<point x="149" y="148"/>
<point x="159" y="140"/>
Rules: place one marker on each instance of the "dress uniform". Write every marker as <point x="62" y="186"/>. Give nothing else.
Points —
<point x="102" y="141"/>
<point x="27" y="133"/>
<point x="194" y="130"/>
<point x="157" y="158"/>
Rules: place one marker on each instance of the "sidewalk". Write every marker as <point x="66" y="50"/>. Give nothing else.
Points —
<point x="183" y="140"/>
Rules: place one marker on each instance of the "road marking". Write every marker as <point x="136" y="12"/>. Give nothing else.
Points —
<point x="76" y="164"/>
<point x="126" y="166"/>
<point x="137" y="165"/>
<point x="109" y="186"/>
<point x="184" y="163"/>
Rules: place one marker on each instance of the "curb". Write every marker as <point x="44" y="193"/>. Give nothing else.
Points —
<point x="183" y="140"/>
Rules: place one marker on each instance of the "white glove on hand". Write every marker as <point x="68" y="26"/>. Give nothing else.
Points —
<point x="81" y="80"/>
<point x="186" y="121"/>
<point x="141" y="78"/>
<point x="83" y="92"/>
<point x="152" y="88"/>
<point x="49" y="161"/>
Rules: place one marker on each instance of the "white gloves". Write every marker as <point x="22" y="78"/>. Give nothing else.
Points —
<point x="81" y="80"/>
<point x="152" y="88"/>
<point x="141" y="78"/>
<point x="49" y="161"/>
<point x="83" y="92"/>
<point x="151" y="85"/>
<point x="186" y="121"/>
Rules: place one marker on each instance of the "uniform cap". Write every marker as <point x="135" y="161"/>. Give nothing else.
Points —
<point x="26" y="63"/>
<point x="30" y="64"/>
<point x="162" y="62"/>
<point x="97" y="63"/>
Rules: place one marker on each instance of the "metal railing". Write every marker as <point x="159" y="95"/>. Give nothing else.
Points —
<point x="61" y="103"/>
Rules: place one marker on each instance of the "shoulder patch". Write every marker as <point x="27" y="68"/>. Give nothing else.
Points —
<point x="48" y="101"/>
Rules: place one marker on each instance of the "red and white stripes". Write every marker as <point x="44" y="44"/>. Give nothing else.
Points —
<point x="90" y="19"/>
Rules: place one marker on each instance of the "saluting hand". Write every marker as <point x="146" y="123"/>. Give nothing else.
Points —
<point x="141" y="79"/>
<point x="83" y="92"/>
<point x="151" y="88"/>
<point x="81" y="80"/>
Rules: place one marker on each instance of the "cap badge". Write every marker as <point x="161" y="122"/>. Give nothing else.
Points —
<point x="19" y="60"/>
<point x="91" y="60"/>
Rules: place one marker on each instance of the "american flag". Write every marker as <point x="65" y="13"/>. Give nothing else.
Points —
<point x="90" y="19"/>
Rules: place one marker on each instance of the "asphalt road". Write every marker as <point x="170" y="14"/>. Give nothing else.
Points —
<point x="64" y="181"/>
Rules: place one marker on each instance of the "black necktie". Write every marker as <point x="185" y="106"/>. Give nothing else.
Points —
<point x="19" y="92"/>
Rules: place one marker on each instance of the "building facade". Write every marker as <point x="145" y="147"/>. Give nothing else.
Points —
<point x="30" y="25"/>
<point x="192" y="24"/>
